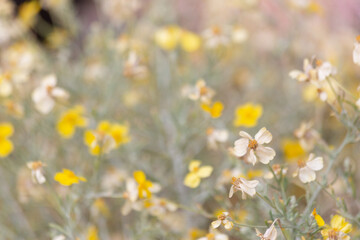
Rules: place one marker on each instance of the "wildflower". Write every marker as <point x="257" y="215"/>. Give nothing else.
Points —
<point x="215" y="109"/>
<point x="106" y="137"/>
<point x="338" y="228"/>
<point x="36" y="172"/>
<point x="239" y="34"/>
<point x="292" y="149"/>
<point x="196" y="173"/>
<point x="325" y="70"/>
<point x="6" y="146"/>
<point x="134" y="68"/>
<point x="252" y="149"/>
<point x="131" y="196"/>
<point x="241" y="184"/>
<point x="215" y="37"/>
<point x="247" y="115"/>
<point x="92" y="233"/>
<point x="190" y="42"/>
<point x="200" y="92"/>
<point x="144" y="185"/>
<point x="307" y="168"/>
<point x="6" y="88"/>
<point x="68" y="178"/>
<point x="356" y="51"/>
<point x="308" y="74"/>
<point x="270" y="233"/>
<point x="215" y="136"/>
<point x="99" y="207"/>
<point x="168" y="37"/>
<point x="223" y="219"/>
<point x="71" y="119"/>
<point x="45" y="95"/>
<point x="307" y="136"/>
<point x="214" y="235"/>
<point x="159" y="206"/>
<point x="28" y="12"/>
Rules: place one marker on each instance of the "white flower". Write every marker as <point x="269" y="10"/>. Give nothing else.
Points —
<point x="44" y="96"/>
<point x="270" y="233"/>
<point x="223" y="219"/>
<point x="36" y="172"/>
<point x="215" y="136"/>
<point x="199" y="92"/>
<point x="307" y="168"/>
<point x="325" y="70"/>
<point x="131" y="197"/>
<point x="134" y="68"/>
<point x="160" y="206"/>
<point x="215" y="37"/>
<point x="356" y="51"/>
<point x="214" y="235"/>
<point x="241" y="184"/>
<point x="252" y="149"/>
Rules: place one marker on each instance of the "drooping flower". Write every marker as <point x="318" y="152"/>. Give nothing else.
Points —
<point x="6" y="146"/>
<point x="196" y="173"/>
<point x="216" y="136"/>
<point x="36" y="172"/>
<point x="356" y="51"/>
<point x="338" y="228"/>
<point x="252" y="150"/>
<point x="215" y="109"/>
<point x="270" y="233"/>
<point x="68" y="178"/>
<point x="70" y="120"/>
<point x="307" y="168"/>
<point x="131" y="196"/>
<point x="45" y="95"/>
<point x="144" y="185"/>
<point x="307" y="136"/>
<point x="223" y="219"/>
<point x="243" y="185"/>
<point x="247" y="115"/>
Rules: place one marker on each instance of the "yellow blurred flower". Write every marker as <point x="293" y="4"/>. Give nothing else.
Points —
<point x="68" y="178"/>
<point x="92" y="233"/>
<point x="28" y="12"/>
<point x="215" y="109"/>
<point x="71" y="119"/>
<point x="57" y="38"/>
<point x="6" y="146"/>
<point x="338" y="228"/>
<point x="106" y="137"/>
<point x="196" y="173"/>
<point x="247" y="115"/>
<point x="292" y="149"/>
<point x="168" y="37"/>
<point x="190" y="42"/>
<point x="100" y="206"/>
<point x="143" y="184"/>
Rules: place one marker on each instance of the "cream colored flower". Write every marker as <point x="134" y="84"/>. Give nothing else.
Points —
<point x="270" y="233"/>
<point x="307" y="136"/>
<point x="159" y="206"/>
<point x="45" y="95"/>
<point x="241" y="184"/>
<point x="308" y="168"/>
<point x="216" y="136"/>
<point x="214" y="235"/>
<point x="36" y="172"/>
<point x="252" y="149"/>
<point x="356" y="51"/>
<point x="223" y="219"/>
<point x="199" y="92"/>
<point x="325" y="70"/>
<point x="131" y="198"/>
<point x="215" y="37"/>
<point x="134" y="68"/>
<point x="309" y="73"/>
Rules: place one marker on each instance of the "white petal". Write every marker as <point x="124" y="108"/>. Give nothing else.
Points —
<point x="60" y="93"/>
<point x="216" y="224"/>
<point x="231" y="193"/>
<point x="49" y="81"/>
<point x="250" y="184"/>
<point x="306" y="175"/>
<point x="38" y="94"/>
<point x="250" y="157"/>
<point x="245" y="135"/>
<point x="271" y="232"/>
<point x="241" y="147"/>
<point x="263" y="136"/>
<point x="315" y="164"/>
<point x="220" y="236"/>
<point x="45" y="105"/>
<point x="39" y="177"/>
<point x="265" y="154"/>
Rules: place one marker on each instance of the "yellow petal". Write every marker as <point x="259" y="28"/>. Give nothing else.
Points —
<point x="205" y="171"/>
<point x="216" y="110"/>
<point x="6" y="147"/>
<point x="139" y="176"/>
<point x="190" y="42"/>
<point x="338" y="222"/>
<point x="247" y="115"/>
<point x="89" y="137"/>
<point x="104" y="126"/>
<point x="6" y="130"/>
<point x="168" y="37"/>
<point x="319" y="220"/>
<point x="192" y="180"/>
<point x="65" y="129"/>
<point x="195" y="164"/>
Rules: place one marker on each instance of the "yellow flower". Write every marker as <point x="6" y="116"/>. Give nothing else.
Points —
<point x="338" y="228"/>
<point x="247" y="115"/>
<point x="196" y="173"/>
<point x="69" y="120"/>
<point x="6" y="146"/>
<point x="68" y="177"/>
<point x="28" y="12"/>
<point x="143" y="184"/>
<point x="168" y="37"/>
<point x="106" y="137"/>
<point x="190" y="42"/>
<point x="292" y="149"/>
<point x="215" y="109"/>
<point x="92" y="233"/>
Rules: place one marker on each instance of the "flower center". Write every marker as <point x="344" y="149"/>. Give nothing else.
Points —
<point x="253" y="144"/>
<point x="301" y="163"/>
<point x="333" y="235"/>
<point x="210" y="236"/>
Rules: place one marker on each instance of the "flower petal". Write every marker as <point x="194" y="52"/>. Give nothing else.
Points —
<point x="205" y="171"/>
<point x="241" y="147"/>
<point x="265" y="154"/>
<point x="306" y="175"/>
<point x="263" y="136"/>
<point x="315" y="164"/>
